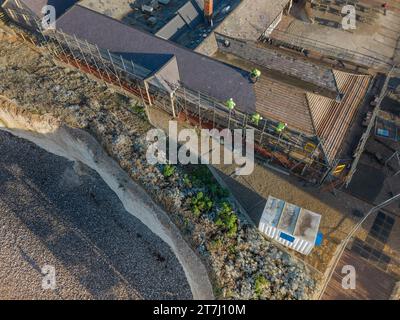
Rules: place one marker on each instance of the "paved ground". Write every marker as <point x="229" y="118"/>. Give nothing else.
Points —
<point x="371" y="283"/>
<point x="375" y="255"/>
<point x="53" y="212"/>
<point x="378" y="38"/>
<point x="337" y="210"/>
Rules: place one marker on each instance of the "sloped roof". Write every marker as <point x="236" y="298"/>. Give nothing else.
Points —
<point x="197" y="72"/>
<point x="284" y="103"/>
<point x="189" y="13"/>
<point x="173" y="28"/>
<point x="311" y="113"/>
<point x="331" y="119"/>
<point x="314" y="77"/>
<point x="187" y="17"/>
<point x="60" y="5"/>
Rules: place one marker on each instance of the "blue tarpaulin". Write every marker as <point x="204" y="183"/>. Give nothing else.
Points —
<point x="319" y="239"/>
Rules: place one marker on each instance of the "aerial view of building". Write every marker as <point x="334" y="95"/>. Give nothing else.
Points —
<point x="200" y="149"/>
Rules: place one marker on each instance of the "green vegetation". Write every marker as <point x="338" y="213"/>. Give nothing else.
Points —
<point x="232" y="249"/>
<point x="139" y="110"/>
<point x="202" y="177"/>
<point x="186" y="181"/>
<point x="215" y="245"/>
<point x="214" y="197"/>
<point x="260" y="285"/>
<point x="168" y="170"/>
<point x="201" y="204"/>
<point x="227" y="219"/>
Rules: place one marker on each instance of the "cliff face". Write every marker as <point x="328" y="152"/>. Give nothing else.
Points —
<point x="70" y="111"/>
<point x="56" y="213"/>
<point x="77" y="145"/>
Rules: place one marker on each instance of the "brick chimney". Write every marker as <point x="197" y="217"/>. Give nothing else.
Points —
<point x="208" y="9"/>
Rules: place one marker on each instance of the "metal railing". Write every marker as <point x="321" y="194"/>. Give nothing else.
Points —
<point x="326" y="49"/>
<point x="130" y="77"/>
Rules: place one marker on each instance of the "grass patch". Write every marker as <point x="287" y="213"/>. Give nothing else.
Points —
<point x="201" y="204"/>
<point x="260" y="285"/>
<point x="227" y="219"/>
<point x="168" y="170"/>
<point x="200" y="176"/>
<point x="139" y="110"/>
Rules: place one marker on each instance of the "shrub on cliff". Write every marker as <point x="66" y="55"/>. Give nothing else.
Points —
<point x="227" y="219"/>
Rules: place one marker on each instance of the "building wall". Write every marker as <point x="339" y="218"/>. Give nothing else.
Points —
<point x="168" y="76"/>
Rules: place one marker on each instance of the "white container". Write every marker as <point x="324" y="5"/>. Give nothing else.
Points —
<point x="290" y="225"/>
<point x="147" y="9"/>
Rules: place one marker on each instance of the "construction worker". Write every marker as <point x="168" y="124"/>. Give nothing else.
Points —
<point x="230" y="104"/>
<point x="255" y="118"/>
<point x="255" y="75"/>
<point x="281" y="126"/>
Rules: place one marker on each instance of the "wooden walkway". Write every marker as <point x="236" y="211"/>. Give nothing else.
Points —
<point x="371" y="282"/>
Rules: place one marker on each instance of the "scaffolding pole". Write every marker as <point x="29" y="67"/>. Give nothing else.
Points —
<point x="115" y="69"/>
<point x="70" y="50"/>
<point x="104" y="64"/>
<point x="193" y="101"/>
<point x="83" y="55"/>
<point x="94" y="60"/>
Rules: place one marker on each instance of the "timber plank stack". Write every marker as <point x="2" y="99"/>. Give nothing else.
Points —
<point x="332" y="119"/>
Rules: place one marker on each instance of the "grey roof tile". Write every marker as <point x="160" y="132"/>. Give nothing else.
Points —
<point x="197" y="72"/>
<point x="60" y="5"/>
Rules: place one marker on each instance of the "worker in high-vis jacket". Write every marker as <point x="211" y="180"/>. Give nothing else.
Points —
<point x="230" y="104"/>
<point x="281" y="126"/>
<point x="255" y="75"/>
<point x="256" y="118"/>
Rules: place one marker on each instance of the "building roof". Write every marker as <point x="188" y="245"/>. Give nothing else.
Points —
<point x="317" y="78"/>
<point x="187" y="17"/>
<point x="314" y="114"/>
<point x="332" y="119"/>
<point x="272" y="97"/>
<point x="284" y="103"/>
<point x="60" y="5"/>
<point x="197" y="72"/>
<point x="249" y="20"/>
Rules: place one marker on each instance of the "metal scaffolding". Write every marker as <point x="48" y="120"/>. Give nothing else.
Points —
<point x="297" y="152"/>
